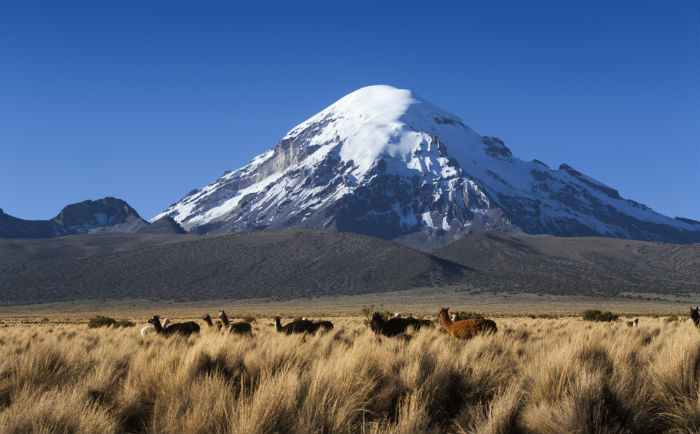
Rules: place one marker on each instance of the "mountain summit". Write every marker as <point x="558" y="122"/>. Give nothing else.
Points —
<point x="384" y="162"/>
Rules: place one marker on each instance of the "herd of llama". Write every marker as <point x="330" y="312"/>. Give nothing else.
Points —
<point x="397" y="325"/>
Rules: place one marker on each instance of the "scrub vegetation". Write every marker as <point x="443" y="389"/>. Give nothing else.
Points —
<point x="532" y="375"/>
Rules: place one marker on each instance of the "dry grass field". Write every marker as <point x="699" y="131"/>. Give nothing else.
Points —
<point x="533" y="375"/>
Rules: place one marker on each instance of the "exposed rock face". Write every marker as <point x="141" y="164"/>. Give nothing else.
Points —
<point x="165" y="225"/>
<point x="103" y="215"/>
<point x="383" y="162"/>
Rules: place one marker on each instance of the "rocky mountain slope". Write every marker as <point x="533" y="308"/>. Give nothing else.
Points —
<point x="384" y="162"/>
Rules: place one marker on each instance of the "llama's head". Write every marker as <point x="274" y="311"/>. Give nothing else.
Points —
<point x="221" y="314"/>
<point x="154" y="319"/>
<point x="445" y="311"/>
<point x="206" y="318"/>
<point x="694" y="315"/>
<point x="376" y="316"/>
<point x="277" y="318"/>
<point x="454" y="317"/>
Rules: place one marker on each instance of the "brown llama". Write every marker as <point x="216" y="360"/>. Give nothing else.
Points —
<point x="467" y="328"/>
<point x="239" y="328"/>
<point x="207" y="319"/>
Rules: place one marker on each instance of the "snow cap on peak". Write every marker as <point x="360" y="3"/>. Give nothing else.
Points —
<point x="379" y="120"/>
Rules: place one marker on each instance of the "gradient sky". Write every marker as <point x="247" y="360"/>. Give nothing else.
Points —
<point x="145" y="101"/>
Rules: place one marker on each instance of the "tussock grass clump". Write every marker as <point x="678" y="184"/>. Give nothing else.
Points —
<point x="596" y="315"/>
<point x="105" y="321"/>
<point x="101" y="321"/>
<point x="470" y="315"/>
<point x="533" y="375"/>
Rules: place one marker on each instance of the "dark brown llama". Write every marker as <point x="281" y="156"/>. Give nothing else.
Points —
<point x="695" y="316"/>
<point x="183" y="328"/>
<point x="298" y="326"/>
<point x="324" y="325"/>
<point x="239" y="327"/>
<point x="394" y="326"/>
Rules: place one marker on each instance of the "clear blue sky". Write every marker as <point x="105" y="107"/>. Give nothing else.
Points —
<point x="145" y="101"/>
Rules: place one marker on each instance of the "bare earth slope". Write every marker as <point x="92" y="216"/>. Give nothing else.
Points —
<point x="582" y="265"/>
<point x="22" y="249"/>
<point x="275" y="264"/>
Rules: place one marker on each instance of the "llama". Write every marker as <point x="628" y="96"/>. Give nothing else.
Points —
<point x="207" y="319"/>
<point x="455" y="317"/>
<point x="324" y="325"/>
<point x="147" y="330"/>
<point x="394" y="326"/>
<point x="468" y="328"/>
<point x="298" y="326"/>
<point x="633" y="323"/>
<point x="183" y="328"/>
<point x="239" y="328"/>
<point x="695" y="316"/>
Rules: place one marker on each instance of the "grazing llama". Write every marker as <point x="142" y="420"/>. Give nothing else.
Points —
<point x="323" y="325"/>
<point x="298" y="326"/>
<point x="239" y="328"/>
<point x="633" y="323"/>
<point x="184" y="328"/>
<point x="394" y="326"/>
<point x="467" y="328"/>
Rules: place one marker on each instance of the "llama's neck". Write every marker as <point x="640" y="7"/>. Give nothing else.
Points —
<point x="208" y="321"/>
<point x="446" y="320"/>
<point x="157" y="326"/>
<point x="278" y="325"/>
<point x="696" y="320"/>
<point x="224" y="318"/>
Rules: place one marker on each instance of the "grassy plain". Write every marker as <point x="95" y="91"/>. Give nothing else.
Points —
<point x="533" y="375"/>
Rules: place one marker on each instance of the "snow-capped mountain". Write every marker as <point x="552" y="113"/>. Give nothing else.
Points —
<point x="384" y="162"/>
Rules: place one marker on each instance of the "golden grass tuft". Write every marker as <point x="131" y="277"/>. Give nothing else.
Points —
<point x="533" y="375"/>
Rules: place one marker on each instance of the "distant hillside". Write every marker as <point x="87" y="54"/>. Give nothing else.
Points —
<point x="298" y="263"/>
<point x="275" y="264"/>
<point x="588" y="266"/>
<point x="101" y="243"/>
